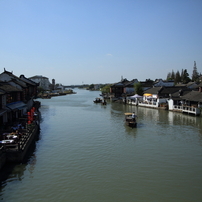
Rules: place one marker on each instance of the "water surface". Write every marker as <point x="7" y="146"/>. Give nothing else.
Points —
<point x="87" y="153"/>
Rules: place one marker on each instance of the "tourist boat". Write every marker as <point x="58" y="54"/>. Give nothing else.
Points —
<point x="97" y="100"/>
<point x="104" y="102"/>
<point x="129" y="120"/>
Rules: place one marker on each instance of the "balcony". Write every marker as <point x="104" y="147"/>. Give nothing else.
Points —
<point x="151" y="104"/>
<point x="187" y="109"/>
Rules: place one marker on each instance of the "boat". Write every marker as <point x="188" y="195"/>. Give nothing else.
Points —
<point x="104" y="102"/>
<point x="130" y="121"/>
<point x="97" y="100"/>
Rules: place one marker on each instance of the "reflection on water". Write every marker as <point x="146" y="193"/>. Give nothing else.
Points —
<point x="87" y="153"/>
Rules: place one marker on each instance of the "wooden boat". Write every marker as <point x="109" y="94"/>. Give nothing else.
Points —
<point x="46" y="96"/>
<point x="97" y="100"/>
<point x="104" y="102"/>
<point x="129" y="120"/>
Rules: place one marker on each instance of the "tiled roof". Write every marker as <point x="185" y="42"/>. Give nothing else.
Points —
<point x="19" y="82"/>
<point x="180" y="92"/>
<point x="172" y="89"/>
<point x="8" y="88"/>
<point x="154" y="90"/>
<point x="193" y="96"/>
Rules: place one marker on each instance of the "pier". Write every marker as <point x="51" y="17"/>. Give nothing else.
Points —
<point x="15" y="145"/>
<point x="16" y="152"/>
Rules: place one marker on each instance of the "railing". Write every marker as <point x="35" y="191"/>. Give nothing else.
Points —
<point x="148" y="104"/>
<point x="187" y="109"/>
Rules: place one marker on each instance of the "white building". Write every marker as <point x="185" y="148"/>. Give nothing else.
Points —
<point x="42" y="81"/>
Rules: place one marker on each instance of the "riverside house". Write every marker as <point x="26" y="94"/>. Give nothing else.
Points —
<point x="157" y="96"/>
<point x="18" y="118"/>
<point x="179" y="99"/>
<point x="187" y="101"/>
<point x="125" y="88"/>
<point x="16" y="96"/>
<point x="122" y="89"/>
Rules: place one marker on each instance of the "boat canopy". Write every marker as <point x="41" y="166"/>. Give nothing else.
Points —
<point x="147" y="95"/>
<point x="128" y="114"/>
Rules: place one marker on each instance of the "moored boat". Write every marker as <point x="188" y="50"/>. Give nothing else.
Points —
<point x="97" y="100"/>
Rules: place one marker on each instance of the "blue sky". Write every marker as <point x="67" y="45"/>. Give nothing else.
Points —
<point x="100" y="41"/>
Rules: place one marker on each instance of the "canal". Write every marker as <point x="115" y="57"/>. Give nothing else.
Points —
<point x="86" y="153"/>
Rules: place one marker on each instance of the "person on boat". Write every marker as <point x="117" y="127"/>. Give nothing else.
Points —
<point x="134" y="116"/>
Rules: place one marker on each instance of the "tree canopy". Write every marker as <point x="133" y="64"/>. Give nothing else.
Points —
<point x="138" y="88"/>
<point x="105" y="89"/>
<point x="195" y="74"/>
<point x="177" y="77"/>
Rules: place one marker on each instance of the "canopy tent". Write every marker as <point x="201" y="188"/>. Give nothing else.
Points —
<point x="136" y="96"/>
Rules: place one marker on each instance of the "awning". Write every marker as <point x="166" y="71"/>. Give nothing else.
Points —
<point x="16" y="105"/>
<point x="2" y="111"/>
<point x="147" y="95"/>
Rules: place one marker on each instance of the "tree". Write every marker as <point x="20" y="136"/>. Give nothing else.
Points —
<point x="168" y="76"/>
<point x="182" y="74"/>
<point x="105" y="89"/>
<point x="185" y="77"/>
<point x="195" y="74"/>
<point x="91" y="87"/>
<point x="40" y="89"/>
<point x="173" y="75"/>
<point x="138" y="88"/>
<point x="177" y="77"/>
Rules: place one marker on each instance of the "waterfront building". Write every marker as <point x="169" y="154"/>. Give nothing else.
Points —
<point x="42" y="81"/>
<point x="18" y="120"/>
<point x="187" y="100"/>
<point x="124" y="87"/>
<point x="16" y="97"/>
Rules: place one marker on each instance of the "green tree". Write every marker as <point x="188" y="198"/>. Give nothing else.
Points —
<point x="40" y="89"/>
<point x="138" y="88"/>
<point x="168" y="76"/>
<point x="182" y="74"/>
<point x="185" y="77"/>
<point x="91" y="87"/>
<point x="177" y="77"/>
<point x="173" y="75"/>
<point x="106" y="89"/>
<point x="195" y="74"/>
